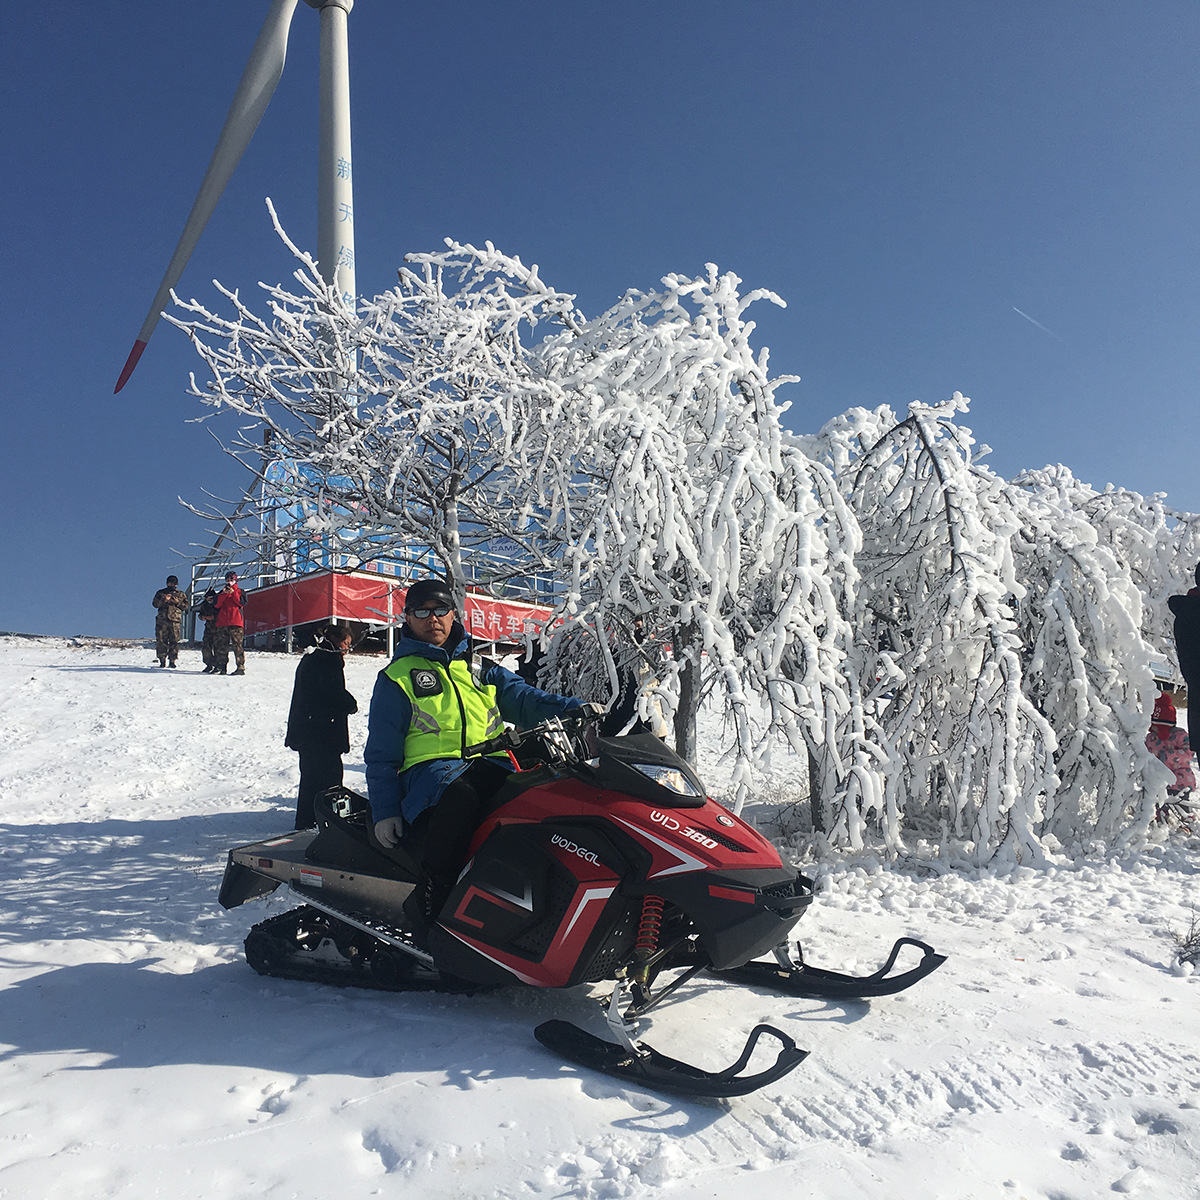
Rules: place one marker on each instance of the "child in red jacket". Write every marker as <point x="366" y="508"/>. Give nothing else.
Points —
<point x="1169" y="744"/>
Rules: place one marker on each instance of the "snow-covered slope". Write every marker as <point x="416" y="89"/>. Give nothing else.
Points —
<point x="1057" y="1053"/>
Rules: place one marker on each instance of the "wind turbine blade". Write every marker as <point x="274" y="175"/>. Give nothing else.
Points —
<point x="250" y="101"/>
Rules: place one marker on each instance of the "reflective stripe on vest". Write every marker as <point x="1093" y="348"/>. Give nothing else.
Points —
<point x="451" y="709"/>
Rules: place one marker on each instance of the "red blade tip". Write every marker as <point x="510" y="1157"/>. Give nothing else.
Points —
<point x="130" y="363"/>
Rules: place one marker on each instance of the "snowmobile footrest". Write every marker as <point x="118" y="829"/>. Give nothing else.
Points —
<point x="657" y="1072"/>
<point x="816" y="984"/>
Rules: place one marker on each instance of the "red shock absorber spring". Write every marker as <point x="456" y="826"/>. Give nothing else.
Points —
<point x="650" y="926"/>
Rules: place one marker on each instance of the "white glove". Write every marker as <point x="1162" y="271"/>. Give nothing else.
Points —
<point x="388" y="831"/>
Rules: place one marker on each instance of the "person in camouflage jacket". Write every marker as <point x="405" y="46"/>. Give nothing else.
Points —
<point x="170" y="604"/>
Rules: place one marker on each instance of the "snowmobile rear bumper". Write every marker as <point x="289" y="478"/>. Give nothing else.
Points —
<point x="241" y="884"/>
<point x="258" y="868"/>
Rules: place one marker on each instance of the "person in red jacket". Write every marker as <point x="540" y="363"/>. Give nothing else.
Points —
<point x="230" y="626"/>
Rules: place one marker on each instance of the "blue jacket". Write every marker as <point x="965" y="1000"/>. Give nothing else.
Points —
<point x="396" y="792"/>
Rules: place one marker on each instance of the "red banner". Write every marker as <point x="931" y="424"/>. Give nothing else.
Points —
<point x="329" y="595"/>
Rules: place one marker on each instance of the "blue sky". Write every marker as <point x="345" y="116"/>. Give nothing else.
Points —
<point x="911" y="177"/>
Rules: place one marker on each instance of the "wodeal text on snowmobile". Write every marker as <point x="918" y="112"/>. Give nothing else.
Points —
<point x="605" y="860"/>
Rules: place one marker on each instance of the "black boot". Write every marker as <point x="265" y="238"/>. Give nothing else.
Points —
<point x="418" y="916"/>
<point x="422" y="907"/>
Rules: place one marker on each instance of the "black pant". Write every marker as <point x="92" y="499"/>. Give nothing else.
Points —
<point x="320" y="768"/>
<point x="443" y="832"/>
<point x="1191" y="679"/>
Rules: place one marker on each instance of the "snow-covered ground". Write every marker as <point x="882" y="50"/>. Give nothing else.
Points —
<point x="1056" y="1054"/>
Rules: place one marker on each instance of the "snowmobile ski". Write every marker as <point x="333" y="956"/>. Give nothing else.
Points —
<point x="797" y="978"/>
<point x="646" y="1067"/>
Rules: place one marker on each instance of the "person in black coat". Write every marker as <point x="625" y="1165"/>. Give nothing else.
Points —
<point x="1187" y="647"/>
<point x="317" y="725"/>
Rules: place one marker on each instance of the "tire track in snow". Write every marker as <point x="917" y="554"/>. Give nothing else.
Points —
<point x="1146" y="1083"/>
<point x="1121" y="1089"/>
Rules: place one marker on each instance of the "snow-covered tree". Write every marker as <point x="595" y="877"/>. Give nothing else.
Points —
<point x="1156" y="546"/>
<point x="408" y="427"/>
<point x="1087" y="663"/>
<point x="705" y="529"/>
<point x="938" y="656"/>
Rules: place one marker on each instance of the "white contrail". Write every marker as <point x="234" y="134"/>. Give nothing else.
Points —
<point x="1037" y="323"/>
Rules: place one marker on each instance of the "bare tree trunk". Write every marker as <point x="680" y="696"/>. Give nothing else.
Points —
<point x="453" y="542"/>
<point x="687" y="654"/>
<point x="815" y="800"/>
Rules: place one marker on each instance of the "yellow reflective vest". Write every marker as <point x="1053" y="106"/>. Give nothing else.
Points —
<point x="451" y="708"/>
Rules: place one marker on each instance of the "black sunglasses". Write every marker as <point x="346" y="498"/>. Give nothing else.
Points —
<point x="438" y="610"/>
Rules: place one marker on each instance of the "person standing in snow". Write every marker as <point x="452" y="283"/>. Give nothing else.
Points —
<point x="429" y="704"/>
<point x="230" y="627"/>
<point x="1187" y="644"/>
<point x="1170" y="745"/>
<point x="170" y="604"/>
<point x="317" y="721"/>
<point x="208" y="645"/>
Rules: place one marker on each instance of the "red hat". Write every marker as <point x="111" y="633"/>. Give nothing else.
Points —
<point x="1164" y="710"/>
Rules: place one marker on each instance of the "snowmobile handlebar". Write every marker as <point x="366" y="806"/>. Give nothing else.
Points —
<point x="559" y="735"/>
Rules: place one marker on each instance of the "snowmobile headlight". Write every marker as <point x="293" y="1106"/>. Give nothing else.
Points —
<point x="671" y="778"/>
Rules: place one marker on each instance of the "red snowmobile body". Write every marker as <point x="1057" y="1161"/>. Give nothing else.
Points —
<point x="555" y="894"/>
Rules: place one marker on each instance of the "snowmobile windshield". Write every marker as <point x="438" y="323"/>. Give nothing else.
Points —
<point x="642" y="766"/>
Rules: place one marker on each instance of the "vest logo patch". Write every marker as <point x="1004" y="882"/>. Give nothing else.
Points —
<point x="425" y="682"/>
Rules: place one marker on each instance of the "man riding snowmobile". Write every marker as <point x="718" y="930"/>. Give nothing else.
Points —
<point x="429" y="704"/>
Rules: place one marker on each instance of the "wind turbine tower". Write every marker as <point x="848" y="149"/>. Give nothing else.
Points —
<point x="335" y="176"/>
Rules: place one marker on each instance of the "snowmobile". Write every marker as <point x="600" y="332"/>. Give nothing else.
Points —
<point x="603" y="860"/>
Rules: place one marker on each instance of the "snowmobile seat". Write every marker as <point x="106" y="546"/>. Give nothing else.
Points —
<point x="346" y="837"/>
